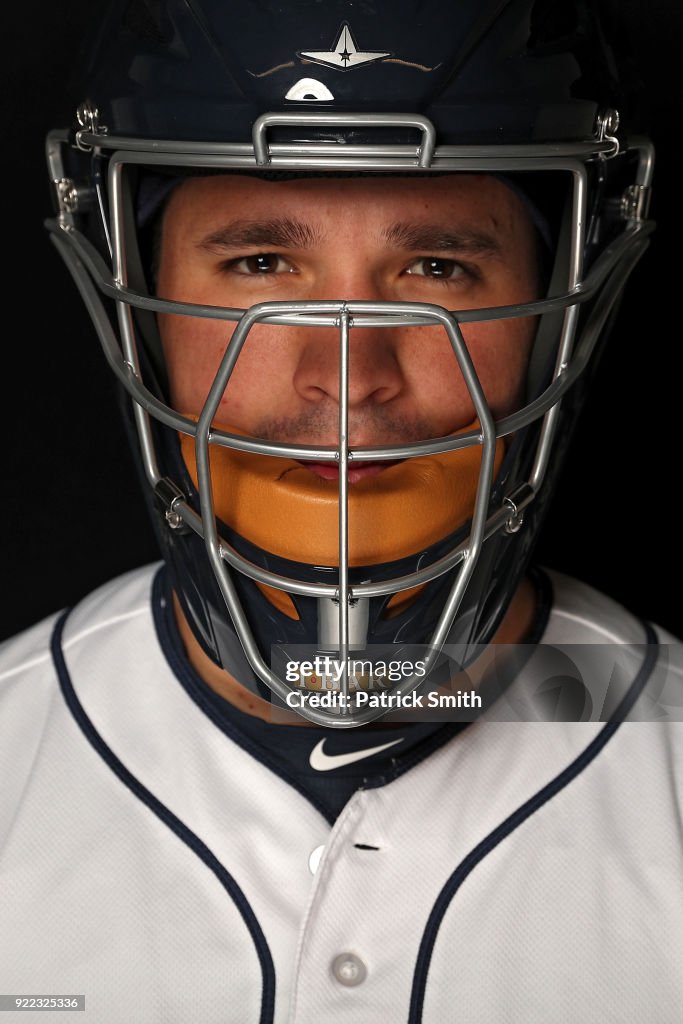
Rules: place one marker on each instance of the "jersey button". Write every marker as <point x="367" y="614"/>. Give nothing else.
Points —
<point x="314" y="859"/>
<point x="349" y="969"/>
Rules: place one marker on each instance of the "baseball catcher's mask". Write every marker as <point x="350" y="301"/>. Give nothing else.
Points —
<point x="262" y="553"/>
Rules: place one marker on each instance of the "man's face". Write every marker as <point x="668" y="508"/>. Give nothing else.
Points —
<point x="459" y="242"/>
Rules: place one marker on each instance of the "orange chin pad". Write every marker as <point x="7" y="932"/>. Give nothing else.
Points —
<point x="284" y="508"/>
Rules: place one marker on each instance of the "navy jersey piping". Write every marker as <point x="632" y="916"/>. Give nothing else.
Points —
<point x="545" y="598"/>
<point x="186" y="677"/>
<point x="494" y="838"/>
<point x="544" y="595"/>
<point x="176" y="826"/>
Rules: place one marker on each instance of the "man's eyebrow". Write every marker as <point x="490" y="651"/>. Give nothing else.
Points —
<point x="436" y="238"/>
<point x="245" y="234"/>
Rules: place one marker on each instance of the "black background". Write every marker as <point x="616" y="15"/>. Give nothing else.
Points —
<point x="71" y="512"/>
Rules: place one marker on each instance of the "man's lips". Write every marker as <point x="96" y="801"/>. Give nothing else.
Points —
<point x="330" y="470"/>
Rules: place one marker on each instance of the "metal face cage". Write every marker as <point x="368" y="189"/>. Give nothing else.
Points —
<point x="343" y="605"/>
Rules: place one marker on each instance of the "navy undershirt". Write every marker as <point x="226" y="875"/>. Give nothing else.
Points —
<point x="287" y="749"/>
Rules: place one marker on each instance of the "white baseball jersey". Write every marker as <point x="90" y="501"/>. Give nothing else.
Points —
<point x="525" y="872"/>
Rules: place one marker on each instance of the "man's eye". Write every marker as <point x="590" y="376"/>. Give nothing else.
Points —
<point x="263" y="263"/>
<point x="434" y="266"/>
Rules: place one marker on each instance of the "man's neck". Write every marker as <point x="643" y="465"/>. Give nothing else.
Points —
<point x="515" y="626"/>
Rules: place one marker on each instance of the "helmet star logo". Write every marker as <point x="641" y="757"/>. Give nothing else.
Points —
<point x="344" y="54"/>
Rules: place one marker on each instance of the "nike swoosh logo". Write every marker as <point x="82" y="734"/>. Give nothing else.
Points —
<point x="323" y="762"/>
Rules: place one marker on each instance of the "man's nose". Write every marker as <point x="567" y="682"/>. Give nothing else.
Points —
<point x="375" y="373"/>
